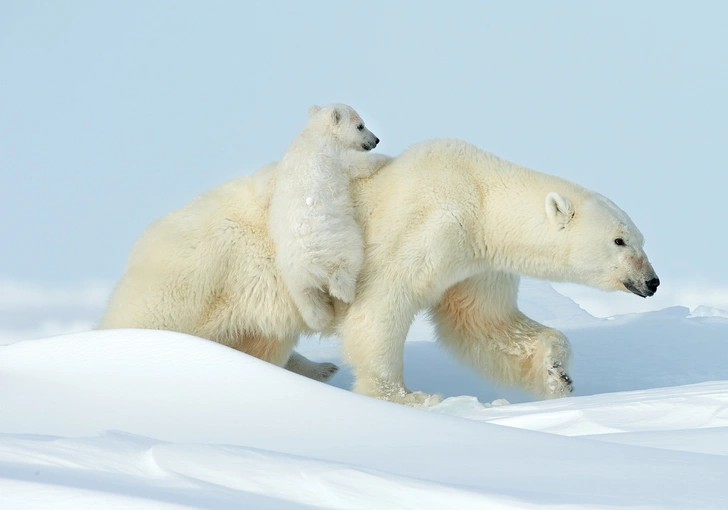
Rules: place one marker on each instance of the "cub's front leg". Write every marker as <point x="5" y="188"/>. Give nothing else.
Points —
<point x="364" y="164"/>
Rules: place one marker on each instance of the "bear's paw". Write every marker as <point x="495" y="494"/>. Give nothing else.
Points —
<point x="558" y="382"/>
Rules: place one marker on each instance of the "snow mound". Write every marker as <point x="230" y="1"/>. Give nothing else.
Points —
<point x="708" y="311"/>
<point x="624" y="353"/>
<point x="32" y="311"/>
<point x="541" y="302"/>
<point x="694" y="407"/>
<point x="151" y="419"/>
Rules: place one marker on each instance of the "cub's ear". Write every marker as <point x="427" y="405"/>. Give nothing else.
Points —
<point x="313" y="110"/>
<point x="559" y="210"/>
<point x="335" y="116"/>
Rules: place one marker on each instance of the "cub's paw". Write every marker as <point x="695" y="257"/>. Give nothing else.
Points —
<point x="558" y="382"/>
<point x="342" y="285"/>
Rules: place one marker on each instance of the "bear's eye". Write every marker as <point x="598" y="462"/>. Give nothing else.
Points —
<point x="619" y="241"/>
<point x="360" y="127"/>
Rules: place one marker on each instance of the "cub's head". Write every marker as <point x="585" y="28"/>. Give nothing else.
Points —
<point x="344" y="125"/>
<point x="605" y="249"/>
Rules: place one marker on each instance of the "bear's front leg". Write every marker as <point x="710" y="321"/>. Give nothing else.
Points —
<point x="374" y="331"/>
<point x="547" y="370"/>
<point x="479" y="322"/>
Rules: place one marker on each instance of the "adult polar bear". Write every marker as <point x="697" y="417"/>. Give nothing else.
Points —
<point x="447" y="226"/>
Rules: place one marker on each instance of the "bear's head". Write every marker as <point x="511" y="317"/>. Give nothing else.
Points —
<point x="345" y="125"/>
<point x="605" y="249"/>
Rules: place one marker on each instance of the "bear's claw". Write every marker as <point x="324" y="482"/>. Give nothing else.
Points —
<point x="559" y="382"/>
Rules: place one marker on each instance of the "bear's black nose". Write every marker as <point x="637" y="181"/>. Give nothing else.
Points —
<point x="653" y="284"/>
<point x="376" y="142"/>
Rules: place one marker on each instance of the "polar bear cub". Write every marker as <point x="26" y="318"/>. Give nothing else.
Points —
<point x="319" y="246"/>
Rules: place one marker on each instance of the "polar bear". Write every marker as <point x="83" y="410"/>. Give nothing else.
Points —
<point x="319" y="246"/>
<point x="448" y="228"/>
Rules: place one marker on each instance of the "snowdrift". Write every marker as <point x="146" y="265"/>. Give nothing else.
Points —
<point x="151" y="419"/>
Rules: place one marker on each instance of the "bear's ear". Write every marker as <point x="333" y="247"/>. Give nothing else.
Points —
<point x="313" y="110"/>
<point x="559" y="210"/>
<point x="335" y="116"/>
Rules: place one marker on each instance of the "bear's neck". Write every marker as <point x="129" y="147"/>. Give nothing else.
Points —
<point x="517" y="236"/>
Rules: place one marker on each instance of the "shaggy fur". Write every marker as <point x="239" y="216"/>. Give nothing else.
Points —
<point x="319" y="246"/>
<point x="447" y="228"/>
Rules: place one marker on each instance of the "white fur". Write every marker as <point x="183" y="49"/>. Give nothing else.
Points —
<point x="447" y="228"/>
<point x="319" y="246"/>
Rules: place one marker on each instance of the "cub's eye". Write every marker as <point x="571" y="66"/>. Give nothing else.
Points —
<point x="360" y="127"/>
<point x="619" y="241"/>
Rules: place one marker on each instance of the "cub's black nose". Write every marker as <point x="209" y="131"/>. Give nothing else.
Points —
<point x="376" y="142"/>
<point x="653" y="284"/>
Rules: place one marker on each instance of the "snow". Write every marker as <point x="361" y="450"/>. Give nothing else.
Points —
<point x="33" y="311"/>
<point x="153" y="419"/>
<point x="688" y="293"/>
<point x="708" y="311"/>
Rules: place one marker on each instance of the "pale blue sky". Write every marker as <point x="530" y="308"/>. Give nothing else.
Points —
<point x="114" y="113"/>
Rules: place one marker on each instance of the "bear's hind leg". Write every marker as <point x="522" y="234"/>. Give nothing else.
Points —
<point x="273" y="350"/>
<point x="317" y="371"/>
<point x="280" y="352"/>
<point x="479" y="322"/>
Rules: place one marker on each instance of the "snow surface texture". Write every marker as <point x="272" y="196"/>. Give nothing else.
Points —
<point x="31" y="311"/>
<point x="150" y="419"/>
